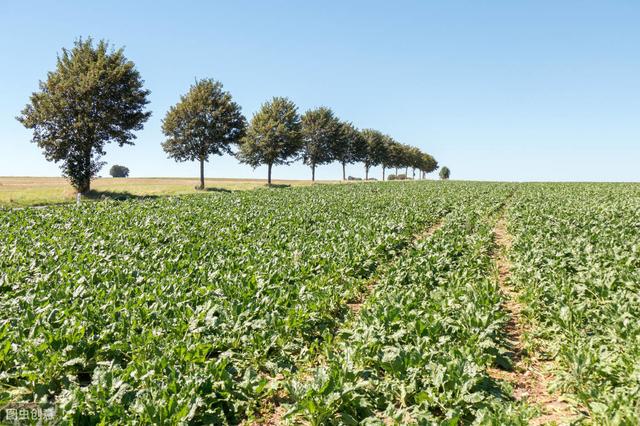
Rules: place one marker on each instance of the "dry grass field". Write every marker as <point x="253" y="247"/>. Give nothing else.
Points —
<point x="34" y="191"/>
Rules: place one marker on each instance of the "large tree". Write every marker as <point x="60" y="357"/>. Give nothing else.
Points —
<point x="204" y="122"/>
<point x="350" y="146"/>
<point x="320" y="132"/>
<point x="273" y="136"/>
<point x="95" y="96"/>
<point x="376" y="149"/>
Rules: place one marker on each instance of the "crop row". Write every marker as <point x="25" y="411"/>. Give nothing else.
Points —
<point x="576" y="263"/>
<point x="418" y="350"/>
<point x="189" y="308"/>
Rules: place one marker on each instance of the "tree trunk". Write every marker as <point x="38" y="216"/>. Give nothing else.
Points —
<point x="406" y="171"/>
<point x="269" y="174"/>
<point x="85" y="180"/>
<point x="344" y="176"/>
<point x="201" y="174"/>
<point x="366" y="172"/>
<point x="313" y="173"/>
<point x="413" y="173"/>
<point x="383" y="172"/>
<point x="85" y="186"/>
<point x="396" y="171"/>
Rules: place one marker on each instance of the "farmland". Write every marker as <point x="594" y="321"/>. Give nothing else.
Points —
<point x="377" y="303"/>
<point x="36" y="191"/>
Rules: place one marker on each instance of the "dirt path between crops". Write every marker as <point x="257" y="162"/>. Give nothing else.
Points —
<point x="279" y="411"/>
<point x="529" y="377"/>
<point x="355" y="307"/>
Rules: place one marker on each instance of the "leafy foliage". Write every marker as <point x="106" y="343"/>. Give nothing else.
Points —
<point x="426" y="163"/>
<point x="350" y="146"/>
<point x="118" y="171"/>
<point x="207" y="309"/>
<point x="274" y="135"/>
<point x="94" y="97"/>
<point x="320" y="132"/>
<point x="188" y="309"/>
<point x="376" y="149"/>
<point x="418" y="350"/>
<point x="205" y="122"/>
<point x="445" y="173"/>
<point x="576" y="257"/>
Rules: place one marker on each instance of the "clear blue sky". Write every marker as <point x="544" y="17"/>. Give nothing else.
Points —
<point x="499" y="90"/>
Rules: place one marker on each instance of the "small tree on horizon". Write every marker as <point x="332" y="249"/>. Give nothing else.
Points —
<point x="206" y="121"/>
<point x="118" y="171"/>
<point x="320" y="131"/>
<point x="94" y="97"/>
<point x="273" y="136"/>
<point x="445" y="173"/>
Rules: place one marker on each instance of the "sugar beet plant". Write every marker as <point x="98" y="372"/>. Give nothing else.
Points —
<point x="189" y="309"/>
<point x="576" y="257"/>
<point x="419" y="349"/>
<point x="226" y="308"/>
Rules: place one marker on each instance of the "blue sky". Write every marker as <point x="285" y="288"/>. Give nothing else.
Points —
<point x="496" y="90"/>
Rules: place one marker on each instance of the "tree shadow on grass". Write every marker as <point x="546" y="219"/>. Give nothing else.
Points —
<point x="278" y="185"/>
<point x="117" y="195"/>
<point x="215" y="189"/>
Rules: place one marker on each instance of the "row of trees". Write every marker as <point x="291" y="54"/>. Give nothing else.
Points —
<point x="207" y="122"/>
<point x="96" y="96"/>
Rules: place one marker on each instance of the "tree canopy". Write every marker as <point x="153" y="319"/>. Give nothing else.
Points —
<point x="376" y="149"/>
<point x="350" y="146"/>
<point x="445" y="173"/>
<point x="206" y="121"/>
<point x="118" y="171"/>
<point x="94" y="96"/>
<point x="273" y="137"/>
<point x="428" y="164"/>
<point x="320" y="132"/>
<point x="394" y="156"/>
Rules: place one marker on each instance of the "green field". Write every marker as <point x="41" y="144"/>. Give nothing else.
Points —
<point x="386" y="303"/>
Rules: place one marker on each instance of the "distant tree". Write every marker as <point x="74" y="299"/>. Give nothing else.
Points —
<point x="414" y="159"/>
<point x="407" y="158"/>
<point x="428" y="164"/>
<point x="117" y="171"/>
<point x="376" y="149"/>
<point x="445" y="173"/>
<point x="206" y="121"/>
<point x="393" y="155"/>
<point x="273" y="136"/>
<point x="95" y="96"/>
<point x="350" y="146"/>
<point x="320" y="132"/>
